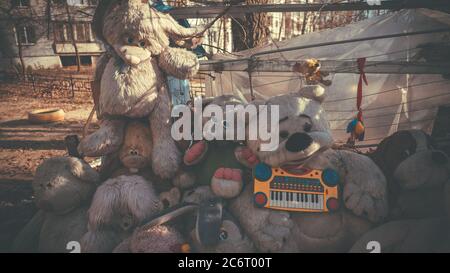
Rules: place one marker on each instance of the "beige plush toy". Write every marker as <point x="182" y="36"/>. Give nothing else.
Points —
<point x="130" y="78"/>
<point x="63" y="188"/>
<point x="305" y="141"/>
<point x="119" y="205"/>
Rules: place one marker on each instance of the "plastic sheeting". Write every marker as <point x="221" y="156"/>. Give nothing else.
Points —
<point x="390" y="102"/>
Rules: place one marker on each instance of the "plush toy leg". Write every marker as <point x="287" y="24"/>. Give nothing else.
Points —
<point x="28" y="238"/>
<point x="268" y="229"/>
<point x="166" y="157"/>
<point x="227" y="183"/>
<point x="107" y="139"/>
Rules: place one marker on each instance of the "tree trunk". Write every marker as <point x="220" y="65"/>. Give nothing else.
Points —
<point x="22" y="61"/>
<point x="252" y="30"/>
<point x="305" y="20"/>
<point x="72" y="34"/>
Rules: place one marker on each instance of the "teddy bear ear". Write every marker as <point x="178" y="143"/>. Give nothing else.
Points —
<point x="315" y="92"/>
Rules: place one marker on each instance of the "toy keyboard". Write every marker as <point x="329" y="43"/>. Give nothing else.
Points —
<point x="305" y="190"/>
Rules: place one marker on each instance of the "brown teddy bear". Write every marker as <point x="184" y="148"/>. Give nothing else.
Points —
<point x="129" y="78"/>
<point x="63" y="188"/>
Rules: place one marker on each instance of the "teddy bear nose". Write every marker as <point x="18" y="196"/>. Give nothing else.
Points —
<point x="439" y="158"/>
<point x="298" y="142"/>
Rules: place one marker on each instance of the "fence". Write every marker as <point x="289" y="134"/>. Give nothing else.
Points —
<point x="69" y="86"/>
<point x="49" y="86"/>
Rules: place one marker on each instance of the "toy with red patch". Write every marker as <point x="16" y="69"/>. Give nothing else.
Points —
<point x="220" y="164"/>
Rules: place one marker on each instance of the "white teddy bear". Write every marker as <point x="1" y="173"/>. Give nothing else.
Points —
<point x="305" y="142"/>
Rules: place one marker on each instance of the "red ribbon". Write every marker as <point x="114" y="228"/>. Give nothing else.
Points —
<point x="362" y="77"/>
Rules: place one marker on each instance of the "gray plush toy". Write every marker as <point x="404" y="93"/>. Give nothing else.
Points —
<point x="63" y="188"/>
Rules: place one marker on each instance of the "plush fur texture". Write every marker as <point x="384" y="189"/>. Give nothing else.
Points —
<point x="105" y="140"/>
<point x="119" y="205"/>
<point x="413" y="235"/>
<point x="306" y="142"/>
<point x="157" y="239"/>
<point x="62" y="186"/>
<point x="416" y="172"/>
<point x="178" y="62"/>
<point x="129" y="79"/>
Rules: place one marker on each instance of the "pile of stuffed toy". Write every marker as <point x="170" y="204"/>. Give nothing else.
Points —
<point x="153" y="194"/>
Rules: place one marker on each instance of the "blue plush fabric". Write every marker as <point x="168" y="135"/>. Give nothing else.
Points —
<point x="160" y="6"/>
<point x="179" y="89"/>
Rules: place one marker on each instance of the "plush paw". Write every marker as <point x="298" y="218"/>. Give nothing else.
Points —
<point x="246" y="156"/>
<point x="106" y="140"/>
<point x="195" y="153"/>
<point x="270" y="230"/>
<point x="275" y="232"/>
<point x="226" y="182"/>
<point x="366" y="199"/>
<point x="364" y="184"/>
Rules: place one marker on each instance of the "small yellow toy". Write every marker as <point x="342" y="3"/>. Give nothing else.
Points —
<point x="310" y="68"/>
<point x="305" y="190"/>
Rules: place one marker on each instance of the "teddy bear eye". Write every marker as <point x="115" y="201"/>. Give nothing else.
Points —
<point x="284" y="134"/>
<point x="130" y="40"/>
<point x="142" y="43"/>
<point x="223" y="235"/>
<point x="307" y="127"/>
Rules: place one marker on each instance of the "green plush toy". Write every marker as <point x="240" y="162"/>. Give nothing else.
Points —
<point x="220" y="163"/>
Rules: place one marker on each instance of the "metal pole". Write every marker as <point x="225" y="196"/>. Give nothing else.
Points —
<point x="351" y="41"/>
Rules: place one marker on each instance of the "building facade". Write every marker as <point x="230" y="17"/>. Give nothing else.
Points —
<point x="43" y="34"/>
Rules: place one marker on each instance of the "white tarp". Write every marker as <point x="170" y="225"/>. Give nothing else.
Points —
<point x="396" y="107"/>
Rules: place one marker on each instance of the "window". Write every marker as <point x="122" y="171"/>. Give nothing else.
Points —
<point x="71" y="60"/>
<point x="20" y="3"/>
<point x="82" y="2"/>
<point x="25" y="35"/>
<point x="82" y="32"/>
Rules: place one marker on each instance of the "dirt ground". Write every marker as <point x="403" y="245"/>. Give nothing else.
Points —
<point x="23" y="146"/>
